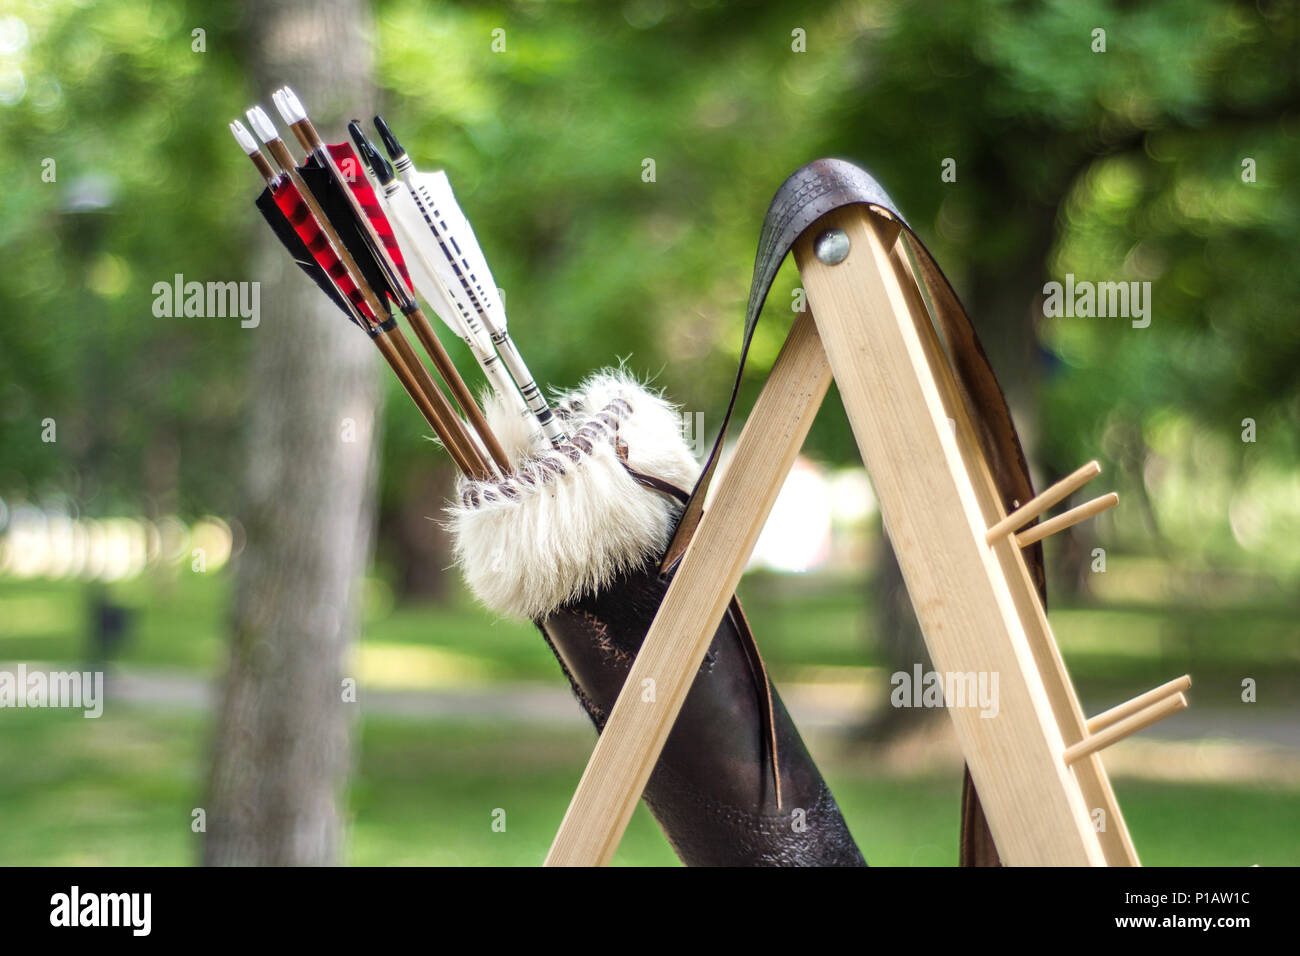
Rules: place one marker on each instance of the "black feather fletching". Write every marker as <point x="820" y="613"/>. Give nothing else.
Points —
<point x="381" y="167"/>
<point x="298" y="250"/>
<point x="390" y="141"/>
<point x="338" y="208"/>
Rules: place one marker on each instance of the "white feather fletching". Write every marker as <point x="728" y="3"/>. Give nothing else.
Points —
<point x="401" y="209"/>
<point x="434" y="192"/>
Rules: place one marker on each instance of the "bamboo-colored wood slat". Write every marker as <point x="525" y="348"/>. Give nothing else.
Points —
<point x="937" y="522"/>
<point x="1068" y="714"/>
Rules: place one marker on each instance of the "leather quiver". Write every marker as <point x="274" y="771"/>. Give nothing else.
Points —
<point x="714" y="789"/>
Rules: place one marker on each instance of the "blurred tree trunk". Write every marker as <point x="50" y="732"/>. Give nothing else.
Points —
<point x="283" y="741"/>
<point x="901" y="646"/>
<point x="413" y="528"/>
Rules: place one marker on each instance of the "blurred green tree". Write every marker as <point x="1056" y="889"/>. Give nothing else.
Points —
<point x="1122" y="164"/>
<point x="282" y="752"/>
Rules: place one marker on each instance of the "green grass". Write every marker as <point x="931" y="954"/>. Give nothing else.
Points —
<point x="181" y="622"/>
<point x="174" y="623"/>
<point x="427" y="794"/>
<point x="801" y="621"/>
<point x="115" y="790"/>
<point x="120" y="790"/>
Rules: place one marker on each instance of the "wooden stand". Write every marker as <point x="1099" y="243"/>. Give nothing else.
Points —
<point x="1035" y="764"/>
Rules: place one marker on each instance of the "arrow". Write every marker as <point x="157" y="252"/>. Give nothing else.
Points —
<point x="377" y="235"/>
<point x="433" y="277"/>
<point x="284" y="230"/>
<point x="457" y="245"/>
<point x="317" y="234"/>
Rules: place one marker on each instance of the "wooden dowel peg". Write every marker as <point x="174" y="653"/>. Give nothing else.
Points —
<point x="1066" y="519"/>
<point x="1036" y="505"/>
<point x="1140" y="702"/>
<point x="1123" y="728"/>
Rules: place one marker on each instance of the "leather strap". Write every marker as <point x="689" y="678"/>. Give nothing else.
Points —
<point x="814" y="190"/>
<point x="810" y="193"/>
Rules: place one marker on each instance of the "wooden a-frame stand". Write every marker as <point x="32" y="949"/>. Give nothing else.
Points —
<point x="1035" y="764"/>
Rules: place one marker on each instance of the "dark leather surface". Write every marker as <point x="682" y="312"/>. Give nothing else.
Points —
<point x="810" y="193"/>
<point x="713" y="790"/>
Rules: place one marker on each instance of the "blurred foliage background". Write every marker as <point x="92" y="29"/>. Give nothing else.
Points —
<point x="1124" y="165"/>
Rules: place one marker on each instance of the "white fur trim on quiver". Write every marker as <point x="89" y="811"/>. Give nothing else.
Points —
<point x="571" y="518"/>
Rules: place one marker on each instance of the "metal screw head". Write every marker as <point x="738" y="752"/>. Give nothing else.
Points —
<point x="832" y="247"/>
